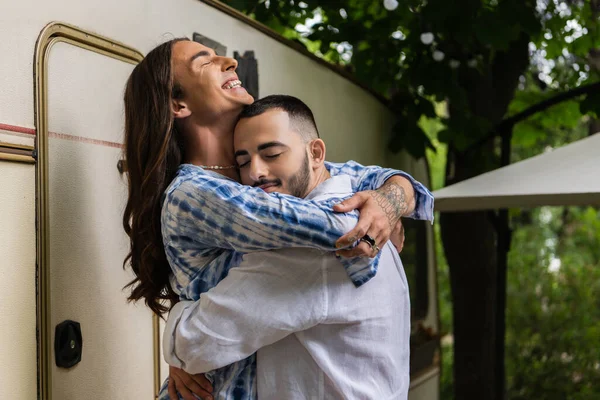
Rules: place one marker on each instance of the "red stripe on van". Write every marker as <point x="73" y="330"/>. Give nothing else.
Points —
<point x="18" y="129"/>
<point x="30" y="131"/>
<point x="85" y="140"/>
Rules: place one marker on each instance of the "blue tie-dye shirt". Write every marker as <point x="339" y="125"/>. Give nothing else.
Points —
<point x="210" y="221"/>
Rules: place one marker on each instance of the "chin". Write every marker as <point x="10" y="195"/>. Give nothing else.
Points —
<point x="237" y="105"/>
<point x="240" y="96"/>
<point x="248" y="99"/>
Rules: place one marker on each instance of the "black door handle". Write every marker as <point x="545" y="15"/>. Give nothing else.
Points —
<point x="68" y="344"/>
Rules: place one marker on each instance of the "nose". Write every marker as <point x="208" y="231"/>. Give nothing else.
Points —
<point x="228" y="63"/>
<point x="258" y="170"/>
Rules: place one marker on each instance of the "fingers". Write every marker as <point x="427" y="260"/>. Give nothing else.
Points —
<point x="186" y="385"/>
<point x="200" y="386"/>
<point x="171" y="390"/>
<point x="402" y="237"/>
<point x="361" y="228"/>
<point x="380" y="235"/>
<point x="397" y="236"/>
<point x="373" y="221"/>
<point x="401" y="246"/>
<point x="185" y="393"/>
<point x="381" y="232"/>
<point x="177" y="386"/>
<point x="199" y="391"/>
<point x="203" y="382"/>
<point x="362" y="250"/>
<point x="352" y="203"/>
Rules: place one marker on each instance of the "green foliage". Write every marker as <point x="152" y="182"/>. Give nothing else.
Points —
<point x="436" y="157"/>
<point x="591" y="104"/>
<point x="438" y="50"/>
<point x="446" y="387"/>
<point x="553" y="319"/>
<point x="563" y="117"/>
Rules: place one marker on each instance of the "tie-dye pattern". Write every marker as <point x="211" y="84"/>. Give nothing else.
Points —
<point x="209" y="221"/>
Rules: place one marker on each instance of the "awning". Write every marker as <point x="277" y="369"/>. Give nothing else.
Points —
<point x="569" y="175"/>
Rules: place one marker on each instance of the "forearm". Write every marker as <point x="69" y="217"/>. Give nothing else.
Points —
<point x="231" y="216"/>
<point x="399" y="195"/>
<point x="189" y="344"/>
<point x="364" y="178"/>
<point x="417" y="198"/>
<point x="258" y="303"/>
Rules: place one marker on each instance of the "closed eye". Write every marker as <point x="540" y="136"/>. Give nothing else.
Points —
<point x="242" y="165"/>
<point x="273" y="156"/>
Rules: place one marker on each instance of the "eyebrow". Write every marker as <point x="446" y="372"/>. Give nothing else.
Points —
<point x="240" y="153"/>
<point x="260" y="148"/>
<point x="202" y="53"/>
<point x="270" y="144"/>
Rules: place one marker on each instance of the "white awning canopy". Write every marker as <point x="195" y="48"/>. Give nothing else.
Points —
<point x="569" y="175"/>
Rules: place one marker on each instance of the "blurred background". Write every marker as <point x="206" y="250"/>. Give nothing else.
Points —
<point x="475" y="85"/>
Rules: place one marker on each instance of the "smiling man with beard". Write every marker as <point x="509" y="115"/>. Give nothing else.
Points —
<point x="316" y="334"/>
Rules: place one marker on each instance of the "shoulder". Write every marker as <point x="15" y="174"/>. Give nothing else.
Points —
<point x="348" y="165"/>
<point x="181" y="196"/>
<point x="189" y="178"/>
<point x="193" y="184"/>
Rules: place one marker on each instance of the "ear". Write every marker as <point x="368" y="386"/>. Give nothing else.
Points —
<point x="317" y="152"/>
<point x="180" y="109"/>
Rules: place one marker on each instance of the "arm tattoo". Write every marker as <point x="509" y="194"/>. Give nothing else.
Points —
<point x="392" y="200"/>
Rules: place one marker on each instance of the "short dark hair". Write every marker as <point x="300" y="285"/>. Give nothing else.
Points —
<point x="301" y="116"/>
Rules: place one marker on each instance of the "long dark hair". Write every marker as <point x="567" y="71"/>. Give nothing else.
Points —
<point x="152" y="155"/>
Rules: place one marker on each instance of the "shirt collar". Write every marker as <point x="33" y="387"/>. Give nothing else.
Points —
<point x="336" y="186"/>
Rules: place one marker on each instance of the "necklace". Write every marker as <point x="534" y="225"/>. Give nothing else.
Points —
<point x="217" y="166"/>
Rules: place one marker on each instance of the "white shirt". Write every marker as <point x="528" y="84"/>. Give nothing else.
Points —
<point x="316" y="334"/>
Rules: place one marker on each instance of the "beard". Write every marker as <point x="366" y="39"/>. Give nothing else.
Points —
<point x="298" y="184"/>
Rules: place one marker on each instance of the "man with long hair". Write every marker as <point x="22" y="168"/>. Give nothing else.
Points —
<point x="181" y="105"/>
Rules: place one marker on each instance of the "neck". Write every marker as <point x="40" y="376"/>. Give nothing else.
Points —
<point x="210" y="145"/>
<point x="320" y="175"/>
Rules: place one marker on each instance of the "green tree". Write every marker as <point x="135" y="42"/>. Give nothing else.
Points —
<point x="553" y="319"/>
<point x="494" y="63"/>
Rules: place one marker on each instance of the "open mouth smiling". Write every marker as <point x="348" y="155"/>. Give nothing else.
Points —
<point x="232" y="83"/>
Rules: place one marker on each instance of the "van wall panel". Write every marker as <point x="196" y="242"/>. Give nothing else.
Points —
<point x="87" y="241"/>
<point x="87" y="247"/>
<point x="17" y="283"/>
<point x="85" y="93"/>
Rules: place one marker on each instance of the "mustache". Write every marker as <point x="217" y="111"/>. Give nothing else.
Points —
<point x="267" y="182"/>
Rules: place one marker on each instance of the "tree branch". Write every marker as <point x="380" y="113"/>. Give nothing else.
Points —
<point x="505" y="126"/>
